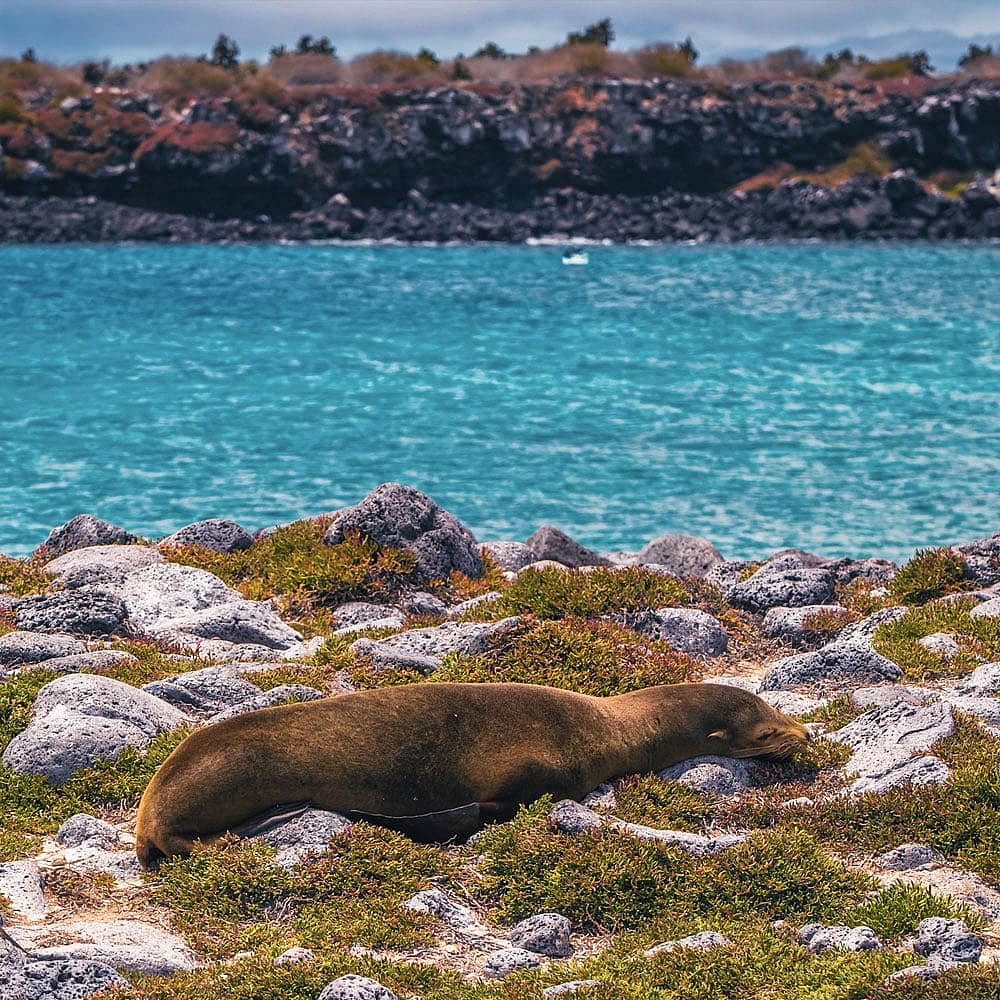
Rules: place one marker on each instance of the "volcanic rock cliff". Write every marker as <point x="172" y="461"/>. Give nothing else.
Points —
<point x="617" y="159"/>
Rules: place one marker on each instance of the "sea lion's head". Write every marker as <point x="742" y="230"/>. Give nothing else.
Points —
<point x="743" y="725"/>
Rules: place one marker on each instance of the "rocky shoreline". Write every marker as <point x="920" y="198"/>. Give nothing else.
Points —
<point x="604" y="160"/>
<point x="113" y="647"/>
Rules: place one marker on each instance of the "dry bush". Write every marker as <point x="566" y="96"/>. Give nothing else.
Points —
<point x="183" y="79"/>
<point x="383" y="67"/>
<point x="18" y="76"/>
<point x="308" y="70"/>
<point x="984" y="68"/>
<point x="662" y="59"/>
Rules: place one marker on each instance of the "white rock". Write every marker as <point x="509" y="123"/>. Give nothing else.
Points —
<point x="21" y="883"/>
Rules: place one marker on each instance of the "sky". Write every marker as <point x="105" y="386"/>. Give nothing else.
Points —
<point x="131" y="30"/>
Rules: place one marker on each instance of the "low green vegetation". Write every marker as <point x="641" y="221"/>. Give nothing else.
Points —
<point x="558" y="593"/>
<point x="21" y="577"/>
<point x="591" y="657"/>
<point x="309" y="576"/>
<point x="898" y="909"/>
<point x="666" y="805"/>
<point x="929" y="574"/>
<point x="978" y="639"/>
<point x="232" y="897"/>
<point x="959" y="818"/>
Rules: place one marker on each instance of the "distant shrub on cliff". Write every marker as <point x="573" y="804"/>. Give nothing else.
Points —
<point x="176" y="79"/>
<point x="306" y="70"/>
<point x="382" y="67"/>
<point x="906" y="64"/>
<point x="599" y="33"/>
<point x="667" y="59"/>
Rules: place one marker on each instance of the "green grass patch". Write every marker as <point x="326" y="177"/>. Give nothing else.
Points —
<point x="153" y="663"/>
<point x="977" y="637"/>
<point x="17" y="699"/>
<point x="308" y="575"/>
<point x="610" y="880"/>
<point x="556" y="593"/>
<point x="666" y="805"/>
<point x="232" y="897"/>
<point x="929" y="574"/>
<point x="22" y="577"/>
<point x="592" y="657"/>
<point x="898" y="909"/>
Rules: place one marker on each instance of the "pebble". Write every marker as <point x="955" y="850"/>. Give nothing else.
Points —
<point x="545" y="934"/>
<point x="703" y="941"/>
<point x="503" y="962"/>
<point x="819" y="939"/>
<point x="356" y="988"/>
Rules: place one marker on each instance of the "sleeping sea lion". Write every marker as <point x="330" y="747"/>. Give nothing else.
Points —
<point x="436" y="761"/>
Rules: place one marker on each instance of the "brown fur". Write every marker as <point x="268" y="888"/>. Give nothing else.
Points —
<point x="429" y="748"/>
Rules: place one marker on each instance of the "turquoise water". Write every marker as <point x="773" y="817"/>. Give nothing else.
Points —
<point x="841" y="399"/>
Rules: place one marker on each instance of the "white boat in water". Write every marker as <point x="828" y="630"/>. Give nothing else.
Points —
<point x="575" y="257"/>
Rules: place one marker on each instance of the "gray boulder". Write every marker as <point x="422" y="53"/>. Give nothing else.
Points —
<point x="875" y="570"/>
<point x="837" y="666"/>
<point x="100" y="564"/>
<point x="772" y="586"/>
<point x="689" y="630"/>
<point x="167" y="592"/>
<point x="95" y="661"/>
<point x="987" y="709"/>
<point x="941" y="643"/>
<point x="544" y="934"/>
<point x="85" y="530"/>
<point x="573" y="818"/>
<point x="703" y="941"/>
<point x="424" y="648"/>
<point x="356" y="988"/>
<point x="404" y="518"/>
<point x="280" y="695"/>
<point x="19" y="648"/>
<point x="549" y="543"/>
<point x="726" y="576"/>
<point x="984" y="680"/>
<point x="443" y="906"/>
<point x="62" y="980"/>
<point x="892" y="694"/>
<point x="863" y="632"/>
<point x="216" y="534"/>
<point x="123" y="944"/>
<point x="242" y="623"/>
<point x="988" y="609"/>
<point x="82" y="830"/>
<point x="791" y="703"/>
<point x="21" y="885"/>
<point x="692" y="843"/>
<point x="211" y="689"/>
<point x="82" y="718"/>
<point x="789" y="623"/>
<point x="474" y="602"/>
<point x="421" y="603"/>
<point x="947" y="941"/>
<point x="819" y="939"/>
<point x="682" y="555"/>
<point x="503" y="962"/>
<point x="909" y="857"/>
<point x="510" y="556"/>
<point x="308" y="833"/>
<point x="721" y="776"/>
<point x="295" y="956"/>
<point x="366" y="614"/>
<point x="886" y="742"/>
<point x="82" y="611"/>
<point x="981" y="556"/>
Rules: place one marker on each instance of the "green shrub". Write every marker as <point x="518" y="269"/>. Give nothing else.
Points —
<point x="592" y="657"/>
<point x="557" y="593"/>
<point x="666" y="805"/>
<point x="21" y="577"/>
<point x="977" y="638"/>
<point x="898" y="909"/>
<point x="930" y="573"/>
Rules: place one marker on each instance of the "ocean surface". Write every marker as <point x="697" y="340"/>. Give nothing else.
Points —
<point x="842" y="399"/>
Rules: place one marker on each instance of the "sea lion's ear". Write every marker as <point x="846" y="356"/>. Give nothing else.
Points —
<point x="719" y="734"/>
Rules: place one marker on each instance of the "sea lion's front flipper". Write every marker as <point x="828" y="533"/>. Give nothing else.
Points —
<point x="262" y="822"/>
<point x="450" y="824"/>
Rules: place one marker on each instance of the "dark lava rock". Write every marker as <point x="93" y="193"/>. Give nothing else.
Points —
<point x="983" y="559"/>
<point x="404" y="518"/>
<point x="83" y="611"/>
<point x="85" y="530"/>
<point x="551" y="543"/>
<point x="682" y="555"/>
<point x="216" y="534"/>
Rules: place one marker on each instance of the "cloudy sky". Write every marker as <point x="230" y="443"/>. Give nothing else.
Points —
<point x="129" y="30"/>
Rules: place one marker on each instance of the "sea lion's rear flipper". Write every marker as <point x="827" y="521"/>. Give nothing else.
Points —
<point x="262" y="822"/>
<point x="450" y="824"/>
